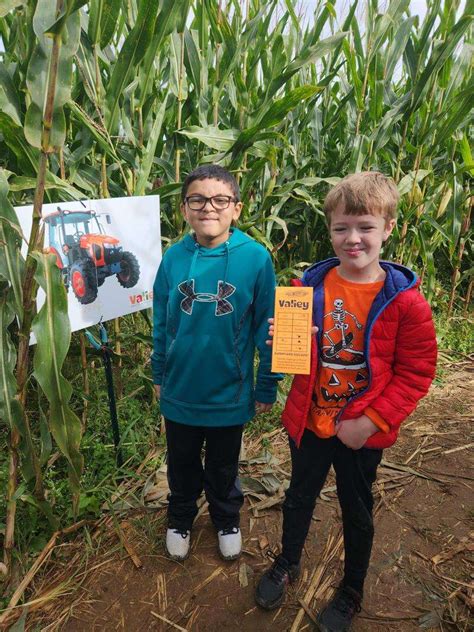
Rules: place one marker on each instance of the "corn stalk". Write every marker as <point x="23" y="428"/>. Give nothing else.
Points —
<point x="57" y="31"/>
<point x="290" y="104"/>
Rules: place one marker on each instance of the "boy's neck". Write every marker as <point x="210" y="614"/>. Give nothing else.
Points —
<point x="371" y="274"/>
<point x="212" y="242"/>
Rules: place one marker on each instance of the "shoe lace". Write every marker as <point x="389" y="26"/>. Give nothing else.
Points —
<point x="229" y="531"/>
<point x="279" y="569"/>
<point x="346" y="602"/>
<point x="271" y="554"/>
<point x="182" y="532"/>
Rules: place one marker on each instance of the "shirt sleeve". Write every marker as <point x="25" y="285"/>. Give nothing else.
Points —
<point x="160" y="304"/>
<point x="376" y="419"/>
<point x="266" y="384"/>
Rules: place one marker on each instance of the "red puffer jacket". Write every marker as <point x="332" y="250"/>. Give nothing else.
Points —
<point x="400" y="351"/>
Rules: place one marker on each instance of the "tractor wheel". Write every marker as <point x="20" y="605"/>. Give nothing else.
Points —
<point x="130" y="270"/>
<point x="84" y="281"/>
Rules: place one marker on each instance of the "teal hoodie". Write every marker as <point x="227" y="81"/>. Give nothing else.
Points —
<point x="210" y="311"/>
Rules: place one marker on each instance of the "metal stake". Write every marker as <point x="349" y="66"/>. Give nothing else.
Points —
<point x="106" y="357"/>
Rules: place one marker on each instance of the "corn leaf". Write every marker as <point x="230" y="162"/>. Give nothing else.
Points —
<point x="221" y="140"/>
<point x="149" y="153"/>
<point x="11" y="261"/>
<point x="67" y="29"/>
<point x="131" y="53"/>
<point x="272" y="116"/>
<point x="52" y="332"/>
<point x="9" y="99"/>
<point x="7" y="358"/>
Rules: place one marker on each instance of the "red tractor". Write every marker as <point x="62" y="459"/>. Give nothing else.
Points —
<point x="86" y="255"/>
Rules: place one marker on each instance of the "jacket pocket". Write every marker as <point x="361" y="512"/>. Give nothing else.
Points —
<point x="200" y="371"/>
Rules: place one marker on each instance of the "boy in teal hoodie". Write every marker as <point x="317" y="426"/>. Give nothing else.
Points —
<point x="212" y="296"/>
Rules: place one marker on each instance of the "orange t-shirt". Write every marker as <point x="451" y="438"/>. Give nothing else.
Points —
<point x="342" y="370"/>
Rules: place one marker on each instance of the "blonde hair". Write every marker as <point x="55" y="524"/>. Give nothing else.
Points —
<point x="368" y="192"/>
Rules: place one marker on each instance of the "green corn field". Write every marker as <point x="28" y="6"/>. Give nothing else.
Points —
<point x="109" y="98"/>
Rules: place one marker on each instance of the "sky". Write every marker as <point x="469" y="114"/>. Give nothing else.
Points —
<point x="306" y="7"/>
<point x="417" y="7"/>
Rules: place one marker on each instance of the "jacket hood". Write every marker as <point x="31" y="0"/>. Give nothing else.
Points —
<point x="398" y="277"/>
<point x="237" y="239"/>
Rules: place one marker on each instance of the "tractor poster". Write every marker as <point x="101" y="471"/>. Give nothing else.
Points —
<point x="108" y="252"/>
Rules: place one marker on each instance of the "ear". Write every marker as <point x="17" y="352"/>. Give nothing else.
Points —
<point x="182" y="208"/>
<point x="237" y="211"/>
<point x="389" y="226"/>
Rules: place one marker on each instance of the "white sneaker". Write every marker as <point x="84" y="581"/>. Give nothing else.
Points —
<point x="178" y="543"/>
<point x="230" y="543"/>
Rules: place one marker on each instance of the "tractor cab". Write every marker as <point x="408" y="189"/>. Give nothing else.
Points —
<point x="70" y="232"/>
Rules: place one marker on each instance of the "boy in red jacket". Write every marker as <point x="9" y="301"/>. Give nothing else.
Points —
<point x="373" y="360"/>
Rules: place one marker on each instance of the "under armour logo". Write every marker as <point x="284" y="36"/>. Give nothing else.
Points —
<point x="224" y="290"/>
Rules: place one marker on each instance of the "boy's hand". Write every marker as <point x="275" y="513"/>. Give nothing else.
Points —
<point x="260" y="407"/>
<point x="157" y="390"/>
<point x="271" y="331"/>
<point x="354" y="432"/>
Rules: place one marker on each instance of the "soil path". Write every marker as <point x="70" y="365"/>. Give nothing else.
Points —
<point x="421" y="571"/>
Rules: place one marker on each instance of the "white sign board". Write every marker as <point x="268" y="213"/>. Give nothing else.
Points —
<point x="108" y="250"/>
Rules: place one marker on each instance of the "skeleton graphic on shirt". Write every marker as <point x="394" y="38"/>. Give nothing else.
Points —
<point x="338" y="353"/>
<point x="338" y="336"/>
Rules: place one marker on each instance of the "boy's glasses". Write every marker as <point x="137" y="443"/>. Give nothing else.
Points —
<point x="218" y="202"/>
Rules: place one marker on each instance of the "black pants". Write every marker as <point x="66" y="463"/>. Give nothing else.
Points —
<point x="218" y="478"/>
<point x="355" y="475"/>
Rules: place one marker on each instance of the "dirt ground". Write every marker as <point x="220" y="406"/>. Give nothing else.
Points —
<point x="421" y="572"/>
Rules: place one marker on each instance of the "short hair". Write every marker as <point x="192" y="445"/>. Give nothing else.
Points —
<point x="211" y="172"/>
<point x="366" y="192"/>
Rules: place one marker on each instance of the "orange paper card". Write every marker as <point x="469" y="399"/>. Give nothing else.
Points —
<point x="292" y="338"/>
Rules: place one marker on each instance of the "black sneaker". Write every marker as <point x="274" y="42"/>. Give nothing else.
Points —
<point x="271" y="588"/>
<point x="338" y="614"/>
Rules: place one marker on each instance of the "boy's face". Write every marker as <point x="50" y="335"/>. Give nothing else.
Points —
<point x="210" y="224"/>
<point x="357" y="241"/>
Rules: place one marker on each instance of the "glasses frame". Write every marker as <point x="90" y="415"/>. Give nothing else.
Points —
<point x="230" y="199"/>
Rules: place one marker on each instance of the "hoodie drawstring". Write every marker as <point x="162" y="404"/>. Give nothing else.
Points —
<point x="226" y="261"/>
<point x="196" y="254"/>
